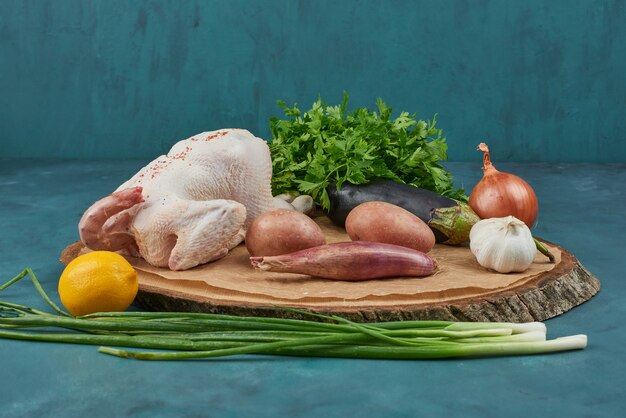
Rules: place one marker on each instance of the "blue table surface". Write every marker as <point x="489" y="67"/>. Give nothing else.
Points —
<point x="581" y="209"/>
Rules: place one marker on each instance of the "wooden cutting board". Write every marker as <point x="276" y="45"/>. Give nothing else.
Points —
<point x="459" y="290"/>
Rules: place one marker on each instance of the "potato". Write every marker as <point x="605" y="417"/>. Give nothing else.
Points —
<point x="282" y="231"/>
<point x="391" y="224"/>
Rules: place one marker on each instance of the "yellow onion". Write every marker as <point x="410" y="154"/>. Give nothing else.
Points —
<point x="498" y="194"/>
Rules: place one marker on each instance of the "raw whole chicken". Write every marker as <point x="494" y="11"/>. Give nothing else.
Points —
<point x="188" y="207"/>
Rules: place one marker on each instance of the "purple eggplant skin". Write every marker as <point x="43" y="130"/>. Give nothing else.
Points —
<point x="449" y="219"/>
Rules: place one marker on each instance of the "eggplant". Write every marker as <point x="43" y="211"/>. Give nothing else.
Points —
<point x="449" y="219"/>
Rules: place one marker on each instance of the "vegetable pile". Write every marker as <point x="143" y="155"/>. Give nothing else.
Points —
<point x="327" y="146"/>
<point x="198" y="335"/>
<point x="381" y="179"/>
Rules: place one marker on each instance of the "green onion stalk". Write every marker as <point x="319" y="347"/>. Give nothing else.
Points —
<point x="183" y="335"/>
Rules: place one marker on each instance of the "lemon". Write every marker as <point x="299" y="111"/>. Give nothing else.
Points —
<point x="99" y="281"/>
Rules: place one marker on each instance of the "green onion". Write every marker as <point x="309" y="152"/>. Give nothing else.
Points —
<point x="183" y="336"/>
<point x="28" y="271"/>
<point x="575" y="342"/>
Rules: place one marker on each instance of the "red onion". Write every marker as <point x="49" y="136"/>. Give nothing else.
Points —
<point x="503" y="194"/>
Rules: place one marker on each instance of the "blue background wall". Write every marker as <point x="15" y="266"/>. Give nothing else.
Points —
<point x="537" y="80"/>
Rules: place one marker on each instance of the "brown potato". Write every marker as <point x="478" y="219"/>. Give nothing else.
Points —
<point x="391" y="224"/>
<point x="282" y="231"/>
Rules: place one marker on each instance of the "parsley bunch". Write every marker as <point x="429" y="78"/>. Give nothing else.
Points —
<point x="329" y="145"/>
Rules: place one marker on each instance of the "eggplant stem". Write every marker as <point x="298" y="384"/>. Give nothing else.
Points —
<point x="455" y="222"/>
<point x="543" y="250"/>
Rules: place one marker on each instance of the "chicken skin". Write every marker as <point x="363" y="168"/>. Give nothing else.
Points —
<point x="188" y="207"/>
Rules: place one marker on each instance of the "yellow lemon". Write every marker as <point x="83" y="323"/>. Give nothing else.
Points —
<point x="99" y="281"/>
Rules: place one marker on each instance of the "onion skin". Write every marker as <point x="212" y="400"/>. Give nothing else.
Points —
<point x="499" y="194"/>
<point x="351" y="261"/>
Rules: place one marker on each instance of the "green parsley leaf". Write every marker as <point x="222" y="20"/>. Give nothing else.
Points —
<point x="329" y="145"/>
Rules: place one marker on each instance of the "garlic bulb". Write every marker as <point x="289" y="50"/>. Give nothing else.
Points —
<point x="503" y="244"/>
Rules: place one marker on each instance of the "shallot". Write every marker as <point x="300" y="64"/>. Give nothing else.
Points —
<point x="351" y="261"/>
